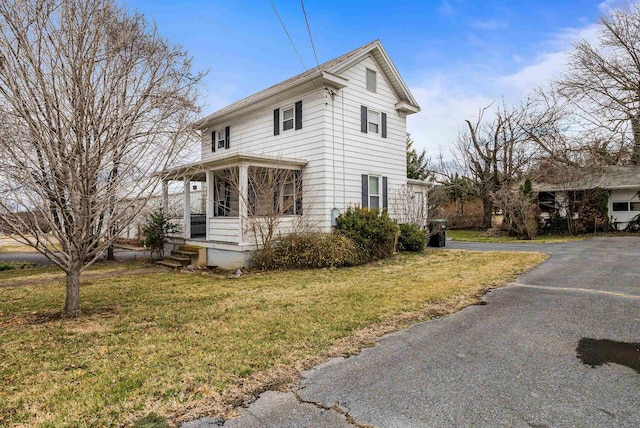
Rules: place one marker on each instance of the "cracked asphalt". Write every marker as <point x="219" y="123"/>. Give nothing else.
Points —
<point x="511" y="362"/>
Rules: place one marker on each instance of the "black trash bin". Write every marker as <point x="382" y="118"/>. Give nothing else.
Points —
<point x="437" y="233"/>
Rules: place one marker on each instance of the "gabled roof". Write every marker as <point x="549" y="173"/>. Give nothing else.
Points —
<point x="609" y="177"/>
<point x="327" y="73"/>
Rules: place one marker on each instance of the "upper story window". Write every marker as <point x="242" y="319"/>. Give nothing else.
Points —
<point x="371" y="80"/>
<point x="374" y="121"/>
<point x="287" y="118"/>
<point x="221" y="138"/>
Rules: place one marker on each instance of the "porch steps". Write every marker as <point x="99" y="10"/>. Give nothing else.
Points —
<point x="184" y="256"/>
<point x="169" y="264"/>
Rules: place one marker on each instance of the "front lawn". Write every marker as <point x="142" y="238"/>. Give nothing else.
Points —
<point x="180" y="344"/>
<point x="479" y="236"/>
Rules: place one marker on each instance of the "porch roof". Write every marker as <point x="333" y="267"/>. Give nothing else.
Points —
<point x="197" y="170"/>
<point x="610" y="177"/>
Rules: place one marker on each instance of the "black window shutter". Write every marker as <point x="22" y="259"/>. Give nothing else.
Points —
<point x="363" y="119"/>
<point x="365" y="190"/>
<point x="213" y="141"/>
<point x="298" y="114"/>
<point x="226" y="137"/>
<point x="385" y="198"/>
<point x="384" y="125"/>
<point x="276" y="122"/>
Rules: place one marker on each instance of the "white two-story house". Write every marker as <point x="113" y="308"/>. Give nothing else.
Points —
<point x="306" y="149"/>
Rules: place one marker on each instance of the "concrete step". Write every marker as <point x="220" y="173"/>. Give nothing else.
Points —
<point x="184" y="253"/>
<point x="169" y="264"/>
<point x="193" y="248"/>
<point x="184" y="261"/>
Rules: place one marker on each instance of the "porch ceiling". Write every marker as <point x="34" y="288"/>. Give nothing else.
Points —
<point x="197" y="170"/>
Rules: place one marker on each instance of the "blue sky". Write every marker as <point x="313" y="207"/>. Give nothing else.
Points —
<point x="456" y="56"/>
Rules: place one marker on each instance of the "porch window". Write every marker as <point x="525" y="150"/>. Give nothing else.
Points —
<point x="291" y="200"/>
<point x="635" y="206"/>
<point x="225" y="194"/>
<point x="275" y="192"/>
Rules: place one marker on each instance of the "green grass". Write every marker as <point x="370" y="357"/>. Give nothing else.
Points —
<point x="148" y="346"/>
<point x="479" y="236"/>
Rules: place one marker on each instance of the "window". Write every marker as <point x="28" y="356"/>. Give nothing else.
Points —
<point x="374" y="121"/>
<point x="291" y="200"/>
<point x="371" y="80"/>
<point x="621" y="206"/>
<point x="221" y="138"/>
<point x="374" y="192"/>
<point x="225" y="197"/>
<point x="547" y="202"/>
<point x="275" y="192"/>
<point x="287" y="118"/>
<point x="635" y="206"/>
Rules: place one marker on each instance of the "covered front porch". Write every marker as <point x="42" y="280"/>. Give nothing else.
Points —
<point x="221" y="200"/>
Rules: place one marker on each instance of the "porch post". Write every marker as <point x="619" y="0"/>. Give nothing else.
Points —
<point x="187" y="208"/>
<point x="165" y="196"/>
<point x="209" y="187"/>
<point x="243" y="179"/>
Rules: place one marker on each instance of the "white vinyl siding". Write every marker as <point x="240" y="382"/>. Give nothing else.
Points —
<point x="331" y="142"/>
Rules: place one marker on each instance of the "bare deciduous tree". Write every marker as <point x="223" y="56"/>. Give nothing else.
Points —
<point x="494" y="153"/>
<point x="92" y="103"/>
<point x="604" y="81"/>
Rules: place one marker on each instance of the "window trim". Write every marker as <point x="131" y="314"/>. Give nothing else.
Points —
<point x="292" y="119"/>
<point x="375" y="80"/>
<point x="221" y="138"/>
<point x="370" y="122"/>
<point x="377" y="195"/>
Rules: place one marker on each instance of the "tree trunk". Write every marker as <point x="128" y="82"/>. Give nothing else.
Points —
<point x="635" y="127"/>
<point x="487" y="207"/>
<point x="72" y="303"/>
<point x="110" y="255"/>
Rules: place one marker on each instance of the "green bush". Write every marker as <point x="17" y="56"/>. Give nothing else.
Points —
<point x="373" y="231"/>
<point x="412" y="238"/>
<point x="156" y="231"/>
<point x="315" y="250"/>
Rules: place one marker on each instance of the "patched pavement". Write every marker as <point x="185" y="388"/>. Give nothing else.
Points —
<point x="517" y="361"/>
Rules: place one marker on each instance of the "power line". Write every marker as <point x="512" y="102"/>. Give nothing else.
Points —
<point x="287" y="33"/>
<point x="309" y="31"/>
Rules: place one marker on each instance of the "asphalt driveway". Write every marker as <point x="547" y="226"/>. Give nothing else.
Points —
<point x="511" y="362"/>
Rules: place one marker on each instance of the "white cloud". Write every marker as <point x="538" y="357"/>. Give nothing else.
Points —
<point x="489" y="25"/>
<point x="446" y="101"/>
<point x="445" y="105"/>
<point x="547" y="65"/>
<point x="608" y="5"/>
